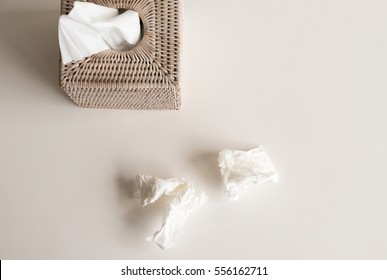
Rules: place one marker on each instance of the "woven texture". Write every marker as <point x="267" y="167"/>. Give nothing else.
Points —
<point x="144" y="78"/>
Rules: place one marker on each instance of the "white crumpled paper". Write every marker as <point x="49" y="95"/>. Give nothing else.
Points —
<point x="183" y="201"/>
<point x="89" y="29"/>
<point x="240" y="169"/>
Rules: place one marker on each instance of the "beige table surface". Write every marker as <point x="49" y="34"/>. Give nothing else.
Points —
<point x="306" y="79"/>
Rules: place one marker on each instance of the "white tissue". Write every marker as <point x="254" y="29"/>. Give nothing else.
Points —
<point x="89" y="29"/>
<point x="183" y="200"/>
<point x="240" y="169"/>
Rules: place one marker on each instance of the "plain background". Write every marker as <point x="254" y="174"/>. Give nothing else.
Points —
<point x="306" y="79"/>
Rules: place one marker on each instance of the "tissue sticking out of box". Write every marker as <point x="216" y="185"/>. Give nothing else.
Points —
<point x="183" y="201"/>
<point x="240" y="170"/>
<point x="89" y="29"/>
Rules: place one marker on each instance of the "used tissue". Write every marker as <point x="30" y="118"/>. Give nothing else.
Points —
<point x="183" y="201"/>
<point x="89" y="29"/>
<point x="240" y="169"/>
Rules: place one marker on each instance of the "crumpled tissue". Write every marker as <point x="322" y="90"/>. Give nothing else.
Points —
<point x="183" y="201"/>
<point x="90" y="28"/>
<point x="240" y="169"/>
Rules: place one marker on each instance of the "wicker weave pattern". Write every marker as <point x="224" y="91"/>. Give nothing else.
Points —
<point x="144" y="78"/>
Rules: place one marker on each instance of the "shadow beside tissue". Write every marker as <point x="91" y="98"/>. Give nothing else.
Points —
<point x="127" y="187"/>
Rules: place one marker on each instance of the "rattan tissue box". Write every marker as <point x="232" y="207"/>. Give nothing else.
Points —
<point x="146" y="77"/>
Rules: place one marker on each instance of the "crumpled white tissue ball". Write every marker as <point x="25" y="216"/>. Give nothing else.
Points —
<point x="184" y="201"/>
<point x="240" y="169"/>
